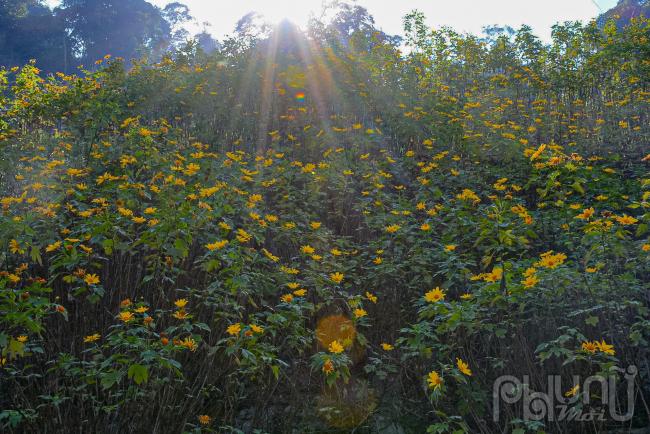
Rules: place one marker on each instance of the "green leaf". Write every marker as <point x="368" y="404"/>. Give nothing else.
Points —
<point x="139" y="373"/>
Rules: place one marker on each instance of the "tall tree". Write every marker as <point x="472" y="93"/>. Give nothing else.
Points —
<point x="124" y="28"/>
<point x="29" y="30"/>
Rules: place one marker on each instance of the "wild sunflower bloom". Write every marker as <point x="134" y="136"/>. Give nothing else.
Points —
<point x="256" y="329"/>
<point x="387" y="347"/>
<point x="434" y="380"/>
<point x="393" y="228"/>
<point x="337" y="277"/>
<point x="360" y="313"/>
<point x="586" y="214"/>
<point x="589" y="347"/>
<point x="551" y="260"/>
<point x="300" y="292"/>
<point x="335" y="347"/>
<point x="626" y="219"/>
<point x="371" y="297"/>
<point x="234" y="329"/>
<point x="287" y="298"/>
<point x="450" y="247"/>
<point x="463" y="367"/>
<point x="22" y="339"/>
<point x="243" y="236"/>
<point x="604" y="347"/>
<point x="91" y="279"/>
<point x="538" y="152"/>
<point x="180" y="314"/>
<point x="52" y="247"/>
<point x="328" y="367"/>
<point x="204" y="419"/>
<point x="142" y="309"/>
<point x="189" y="343"/>
<point x="435" y="295"/>
<point x="217" y="245"/>
<point x="92" y="338"/>
<point x="126" y="316"/>
<point x="315" y="225"/>
<point x="572" y="392"/>
<point x="530" y="281"/>
<point x="307" y="249"/>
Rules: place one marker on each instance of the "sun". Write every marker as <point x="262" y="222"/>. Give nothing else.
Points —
<point x="298" y="12"/>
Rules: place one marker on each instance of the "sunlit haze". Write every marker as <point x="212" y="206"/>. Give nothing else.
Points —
<point x="467" y="16"/>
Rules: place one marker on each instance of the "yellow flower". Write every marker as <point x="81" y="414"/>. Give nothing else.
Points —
<point x="550" y="260"/>
<point x="626" y="220"/>
<point x="393" y="228"/>
<point x="270" y="255"/>
<point x="92" y="338"/>
<point x="337" y="277"/>
<point x="606" y="348"/>
<point x="189" y="343"/>
<point x="142" y="309"/>
<point x="572" y="392"/>
<point x="468" y="194"/>
<point x="138" y="220"/>
<point x="335" y="347"/>
<point x="360" y="313"/>
<point x="586" y="214"/>
<point x="538" y="152"/>
<point x="180" y="314"/>
<point x="300" y="292"/>
<point x="435" y="295"/>
<point x="434" y="380"/>
<point x="371" y="297"/>
<point x="256" y="328"/>
<point x="463" y="367"/>
<point x="126" y="316"/>
<point x="216" y="245"/>
<point x="52" y="247"/>
<point x="307" y="249"/>
<point x="466" y="296"/>
<point x="243" y="236"/>
<point x="425" y="227"/>
<point x="328" y="367"/>
<point x="387" y="347"/>
<point x="450" y="247"/>
<point x="204" y="419"/>
<point x="287" y="298"/>
<point x="530" y="281"/>
<point x="589" y="347"/>
<point x="14" y="247"/>
<point x="22" y="339"/>
<point x="234" y="329"/>
<point x="315" y="225"/>
<point x="180" y="303"/>
<point x="91" y="279"/>
<point x="645" y="247"/>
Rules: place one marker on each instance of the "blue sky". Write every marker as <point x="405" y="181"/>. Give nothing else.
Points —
<point x="465" y="15"/>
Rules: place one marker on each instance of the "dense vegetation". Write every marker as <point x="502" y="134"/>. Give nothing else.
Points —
<point x="317" y="232"/>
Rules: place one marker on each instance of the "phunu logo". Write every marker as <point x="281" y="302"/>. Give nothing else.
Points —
<point x="555" y="406"/>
